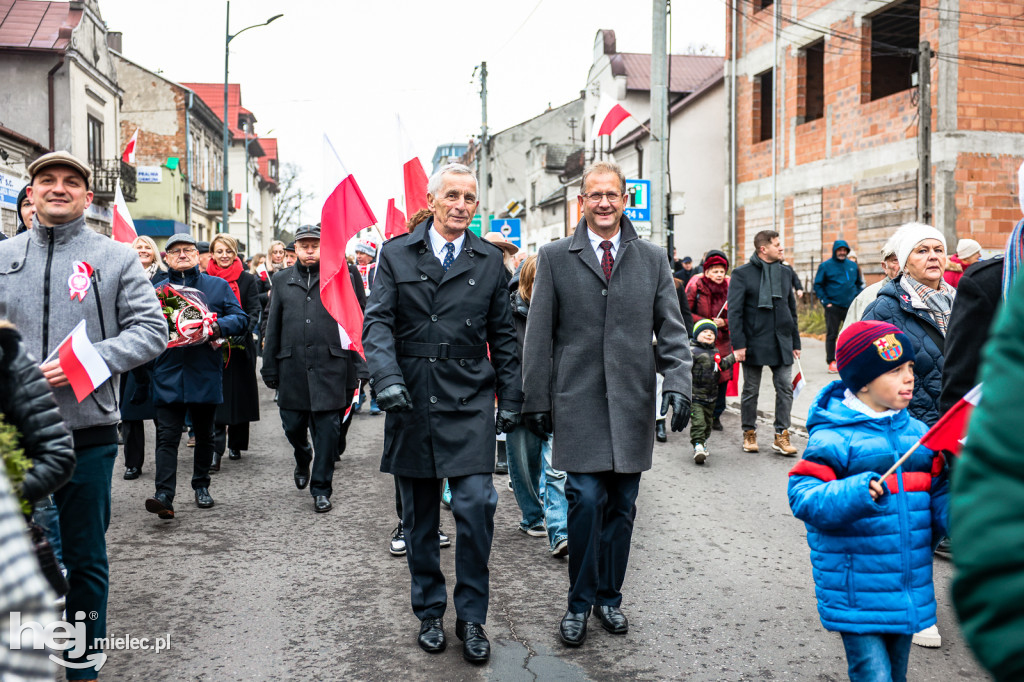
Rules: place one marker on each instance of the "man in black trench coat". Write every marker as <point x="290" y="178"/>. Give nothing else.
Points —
<point x="439" y="304"/>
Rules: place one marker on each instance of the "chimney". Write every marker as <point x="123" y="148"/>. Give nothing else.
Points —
<point x="114" y="40"/>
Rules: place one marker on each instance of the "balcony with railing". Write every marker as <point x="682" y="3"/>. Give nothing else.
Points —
<point x="105" y="175"/>
<point x="215" y="201"/>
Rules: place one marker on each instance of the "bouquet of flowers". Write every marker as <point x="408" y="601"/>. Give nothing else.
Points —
<point x="189" y="320"/>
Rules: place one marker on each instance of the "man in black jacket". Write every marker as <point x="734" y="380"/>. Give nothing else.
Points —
<point x="303" y="346"/>
<point x="763" y="326"/>
<point x="438" y="305"/>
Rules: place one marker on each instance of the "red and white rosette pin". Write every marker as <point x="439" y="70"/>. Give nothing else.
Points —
<point x="78" y="282"/>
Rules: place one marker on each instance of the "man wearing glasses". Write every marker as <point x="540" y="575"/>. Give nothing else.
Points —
<point x="589" y="377"/>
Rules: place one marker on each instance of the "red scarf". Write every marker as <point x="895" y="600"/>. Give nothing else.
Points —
<point x="229" y="273"/>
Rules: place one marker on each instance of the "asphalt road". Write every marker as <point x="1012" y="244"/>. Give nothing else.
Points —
<point x="259" y="587"/>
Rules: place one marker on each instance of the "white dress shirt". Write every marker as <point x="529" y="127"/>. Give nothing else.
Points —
<point x="595" y="243"/>
<point x="437" y="242"/>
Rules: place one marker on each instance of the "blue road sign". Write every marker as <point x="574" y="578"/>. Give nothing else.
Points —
<point x="510" y="228"/>
<point x="638" y="200"/>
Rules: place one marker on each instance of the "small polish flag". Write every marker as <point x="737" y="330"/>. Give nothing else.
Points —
<point x="129" y="152"/>
<point x="80" y="362"/>
<point x="609" y="115"/>
<point x="394" y="223"/>
<point x="798" y="381"/>
<point x="122" y="227"/>
<point x="261" y="270"/>
<point x="950" y="432"/>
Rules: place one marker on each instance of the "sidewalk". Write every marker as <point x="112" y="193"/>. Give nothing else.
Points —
<point x="815" y="373"/>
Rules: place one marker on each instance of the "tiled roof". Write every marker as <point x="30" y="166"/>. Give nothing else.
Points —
<point x="29" y="24"/>
<point x="557" y="154"/>
<point x="686" y="72"/>
<point x="213" y="95"/>
<point x="269" y="145"/>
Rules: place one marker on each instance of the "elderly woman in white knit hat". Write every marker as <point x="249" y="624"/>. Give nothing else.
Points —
<point x="968" y="252"/>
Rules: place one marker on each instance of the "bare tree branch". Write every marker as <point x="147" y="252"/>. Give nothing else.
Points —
<point x="288" y="201"/>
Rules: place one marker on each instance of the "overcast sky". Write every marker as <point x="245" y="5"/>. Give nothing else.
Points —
<point x="349" y="69"/>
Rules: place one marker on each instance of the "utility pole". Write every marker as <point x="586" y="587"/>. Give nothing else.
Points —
<point x="924" y="133"/>
<point x="659" y="123"/>
<point x="226" y="145"/>
<point x="485" y="222"/>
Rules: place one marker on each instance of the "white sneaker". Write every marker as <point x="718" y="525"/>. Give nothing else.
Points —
<point x="700" y="453"/>
<point x="929" y="637"/>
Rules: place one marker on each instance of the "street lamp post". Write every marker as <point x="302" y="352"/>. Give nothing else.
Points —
<point x="228" y="37"/>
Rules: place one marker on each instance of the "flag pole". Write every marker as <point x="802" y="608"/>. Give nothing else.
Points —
<point x="900" y="461"/>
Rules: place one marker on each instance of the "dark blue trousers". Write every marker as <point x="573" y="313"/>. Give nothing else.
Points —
<point x="602" y="507"/>
<point x="84" y="508"/>
<point x="473" y="503"/>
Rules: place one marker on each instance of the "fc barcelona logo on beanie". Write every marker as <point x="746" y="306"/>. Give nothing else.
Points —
<point x="889" y="348"/>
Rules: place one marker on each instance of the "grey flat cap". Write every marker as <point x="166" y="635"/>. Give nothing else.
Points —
<point x="307" y="232"/>
<point x="180" y="238"/>
<point x="61" y="158"/>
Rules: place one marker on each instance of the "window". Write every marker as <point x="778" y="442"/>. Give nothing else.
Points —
<point x="895" y="40"/>
<point x="762" y="105"/>
<point x="763" y="4"/>
<point x="95" y="141"/>
<point x="814" y="81"/>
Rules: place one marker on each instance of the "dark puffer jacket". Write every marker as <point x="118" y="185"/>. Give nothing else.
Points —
<point x="27" y="404"/>
<point x="705" y="374"/>
<point x="893" y="306"/>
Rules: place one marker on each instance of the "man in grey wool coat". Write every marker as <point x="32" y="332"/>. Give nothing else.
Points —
<point x="589" y="378"/>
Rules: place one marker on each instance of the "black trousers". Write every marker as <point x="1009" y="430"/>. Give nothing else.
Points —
<point x="169" y="420"/>
<point x="602" y="507"/>
<point x="474" y="500"/>
<point x="325" y="428"/>
<point x="234" y="436"/>
<point x="398" y="495"/>
<point x="834" y="318"/>
<point x="133" y="433"/>
<point x="720" y="401"/>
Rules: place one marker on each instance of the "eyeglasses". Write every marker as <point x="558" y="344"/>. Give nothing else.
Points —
<point x="187" y="251"/>
<point x="595" y="197"/>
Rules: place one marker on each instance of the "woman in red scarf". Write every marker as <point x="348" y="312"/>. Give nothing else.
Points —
<point x="241" y="393"/>
<point x="707" y="293"/>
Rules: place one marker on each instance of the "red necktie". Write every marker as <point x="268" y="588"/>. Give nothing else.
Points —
<point x="607" y="261"/>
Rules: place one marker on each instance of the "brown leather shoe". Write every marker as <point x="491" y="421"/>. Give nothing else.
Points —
<point x="750" y="441"/>
<point x="782" y="445"/>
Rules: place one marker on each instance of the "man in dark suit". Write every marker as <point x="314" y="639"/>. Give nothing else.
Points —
<point x="589" y="374"/>
<point x="439" y="304"/>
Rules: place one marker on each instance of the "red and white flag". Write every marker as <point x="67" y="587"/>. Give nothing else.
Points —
<point x="950" y="432"/>
<point x="122" y="227"/>
<point x="345" y="213"/>
<point x="394" y="223"/>
<point x="129" y="151"/>
<point x="261" y="270"/>
<point x="798" y="381"/>
<point x="80" y="362"/>
<point x="609" y="115"/>
<point x="413" y="175"/>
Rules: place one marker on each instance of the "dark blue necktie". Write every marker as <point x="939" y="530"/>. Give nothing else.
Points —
<point x="449" y="257"/>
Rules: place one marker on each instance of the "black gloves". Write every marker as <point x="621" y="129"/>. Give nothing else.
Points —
<point x="539" y="424"/>
<point x="394" y="398"/>
<point x="271" y="383"/>
<point x="214" y="330"/>
<point x="505" y="422"/>
<point x="680" y="408"/>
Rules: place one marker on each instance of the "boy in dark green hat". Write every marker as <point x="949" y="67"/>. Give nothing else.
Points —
<point x="708" y="363"/>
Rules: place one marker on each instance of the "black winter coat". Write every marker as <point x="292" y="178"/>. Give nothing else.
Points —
<point x="978" y="297"/>
<point x="769" y="336"/>
<point x="705" y="374"/>
<point x="450" y="430"/>
<point x="139" y="381"/>
<point x="893" y="306"/>
<point x="241" y="392"/>
<point x="28" y="405"/>
<point x="302" y="349"/>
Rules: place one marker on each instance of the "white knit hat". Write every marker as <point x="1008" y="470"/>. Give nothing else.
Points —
<point x="912" y="234"/>
<point x="966" y="248"/>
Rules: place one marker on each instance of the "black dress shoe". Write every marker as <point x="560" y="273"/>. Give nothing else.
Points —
<point x="131" y="473"/>
<point x="573" y="628"/>
<point x="234" y="454"/>
<point x="215" y="462"/>
<point x="321" y="504"/>
<point x="431" y="637"/>
<point x="203" y="499"/>
<point x="660" y="431"/>
<point x="612" y="619"/>
<point x="475" y="646"/>
<point x="716" y="424"/>
<point x="160" y="505"/>
<point x="301" y="477"/>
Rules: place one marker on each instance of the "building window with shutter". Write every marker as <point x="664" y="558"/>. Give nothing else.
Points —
<point x="94" y="140"/>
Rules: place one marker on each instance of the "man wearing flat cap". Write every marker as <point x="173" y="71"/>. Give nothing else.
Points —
<point x="56" y="274"/>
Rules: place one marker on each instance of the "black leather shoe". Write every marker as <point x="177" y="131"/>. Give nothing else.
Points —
<point x="301" y="477"/>
<point x="234" y="454"/>
<point x="161" y="506"/>
<point x="660" y="432"/>
<point x="431" y="637"/>
<point x="573" y="628"/>
<point x="475" y="646"/>
<point x="215" y="462"/>
<point x="203" y="499"/>
<point x="612" y="619"/>
<point x="716" y="424"/>
<point x="131" y="473"/>
<point x="321" y="504"/>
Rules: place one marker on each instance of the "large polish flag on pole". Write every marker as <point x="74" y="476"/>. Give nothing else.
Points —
<point x="609" y="115"/>
<point x="345" y="213"/>
<point x="81" y="364"/>
<point x="413" y="175"/>
<point x="394" y="222"/>
<point x="129" y="151"/>
<point x="122" y="227"/>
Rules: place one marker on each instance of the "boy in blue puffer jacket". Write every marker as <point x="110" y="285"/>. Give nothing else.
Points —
<point x="871" y="546"/>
